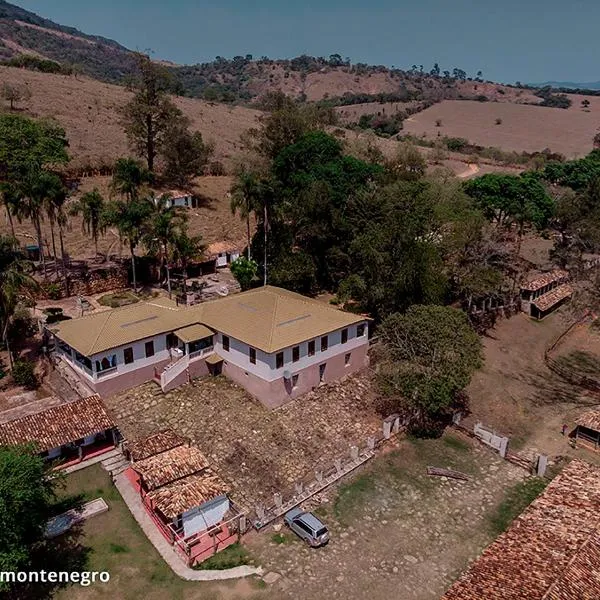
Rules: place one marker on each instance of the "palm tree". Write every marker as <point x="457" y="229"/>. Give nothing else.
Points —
<point x="185" y="250"/>
<point x="15" y="280"/>
<point x="9" y="197"/>
<point x="245" y="197"/>
<point x="164" y="225"/>
<point x="54" y="195"/>
<point x="129" y="176"/>
<point x="91" y="207"/>
<point x="131" y="220"/>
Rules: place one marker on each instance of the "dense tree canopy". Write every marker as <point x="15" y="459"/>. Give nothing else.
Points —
<point x="28" y="498"/>
<point x="428" y="356"/>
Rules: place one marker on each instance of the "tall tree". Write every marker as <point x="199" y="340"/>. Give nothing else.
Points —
<point x="164" y="226"/>
<point x="185" y="154"/>
<point x="28" y="498"/>
<point x="245" y="198"/>
<point x="428" y="356"/>
<point x="131" y="220"/>
<point x="186" y="248"/>
<point x="15" y="281"/>
<point x="91" y="207"/>
<point x="150" y="113"/>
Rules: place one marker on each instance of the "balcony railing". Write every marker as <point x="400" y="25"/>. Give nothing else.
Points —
<point x="201" y="353"/>
<point x="105" y="372"/>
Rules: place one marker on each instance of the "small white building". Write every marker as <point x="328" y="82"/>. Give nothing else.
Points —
<point x="181" y="199"/>
<point x="223" y="253"/>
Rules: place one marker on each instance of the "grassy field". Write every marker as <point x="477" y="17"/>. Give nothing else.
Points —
<point x="522" y="128"/>
<point x="120" y="547"/>
<point x="89" y="112"/>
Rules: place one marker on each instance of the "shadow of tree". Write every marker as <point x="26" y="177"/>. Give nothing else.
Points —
<point x="65" y="553"/>
<point x="550" y="389"/>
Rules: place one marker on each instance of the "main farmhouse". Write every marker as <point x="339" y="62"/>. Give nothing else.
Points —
<point x="275" y="343"/>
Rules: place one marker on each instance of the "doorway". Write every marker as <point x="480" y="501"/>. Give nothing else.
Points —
<point x="322" y="372"/>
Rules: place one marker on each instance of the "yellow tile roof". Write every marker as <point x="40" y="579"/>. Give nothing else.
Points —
<point x="271" y="318"/>
<point x="267" y="318"/>
<point x="193" y="332"/>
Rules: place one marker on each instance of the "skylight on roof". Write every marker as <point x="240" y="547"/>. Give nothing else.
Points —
<point x="139" y="321"/>
<point x="248" y="307"/>
<point x="294" y="320"/>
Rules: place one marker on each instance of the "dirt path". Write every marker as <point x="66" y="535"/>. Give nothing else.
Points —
<point x="472" y="169"/>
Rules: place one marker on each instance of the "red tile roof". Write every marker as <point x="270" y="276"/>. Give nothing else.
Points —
<point x="58" y="425"/>
<point x="549" y="299"/>
<point x="541" y="280"/>
<point x="187" y="493"/>
<point x="154" y="444"/>
<point x="590" y="419"/>
<point x="168" y="466"/>
<point x="550" y="552"/>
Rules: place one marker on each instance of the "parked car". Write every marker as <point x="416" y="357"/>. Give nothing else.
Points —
<point x="307" y="526"/>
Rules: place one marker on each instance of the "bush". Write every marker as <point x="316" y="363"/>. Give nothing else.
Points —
<point x="456" y="144"/>
<point x="23" y="373"/>
<point x="54" y="291"/>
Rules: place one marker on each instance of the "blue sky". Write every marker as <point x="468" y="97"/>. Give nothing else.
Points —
<point x="509" y="40"/>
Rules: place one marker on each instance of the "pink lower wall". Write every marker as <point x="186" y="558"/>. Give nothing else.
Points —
<point x="113" y="385"/>
<point x="270" y="393"/>
<point x="276" y="393"/>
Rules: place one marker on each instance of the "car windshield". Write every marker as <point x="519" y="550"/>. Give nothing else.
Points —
<point x="321" y="532"/>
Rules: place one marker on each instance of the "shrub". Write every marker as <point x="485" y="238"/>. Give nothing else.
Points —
<point x="54" y="291"/>
<point x="456" y="144"/>
<point x="23" y="373"/>
<point x="498" y="121"/>
<point x="438" y="122"/>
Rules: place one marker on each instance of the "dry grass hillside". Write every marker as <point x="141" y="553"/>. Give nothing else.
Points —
<point x="88" y="110"/>
<point x="521" y="127"/>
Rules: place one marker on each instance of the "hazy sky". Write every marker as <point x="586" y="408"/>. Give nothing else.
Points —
<point x="509" y="40"/>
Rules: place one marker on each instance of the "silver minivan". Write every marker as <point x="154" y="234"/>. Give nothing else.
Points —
<point x="307" y="526"/>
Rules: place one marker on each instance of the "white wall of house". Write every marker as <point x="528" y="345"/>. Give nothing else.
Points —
<point x="266" y="365"/>
<point x="161" y="353"/>
<point x="203" y="517"/>
<point x="225" y="258"/>
<point x="184" y="201"/>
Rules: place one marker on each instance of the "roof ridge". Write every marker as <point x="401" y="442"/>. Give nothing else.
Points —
<point x="273" y="319"/>
<point x="101" y="329"/>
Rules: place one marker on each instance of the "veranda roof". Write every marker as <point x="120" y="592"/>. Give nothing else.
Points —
<point x="194" y="332"/>
<point x="58" y="425"/>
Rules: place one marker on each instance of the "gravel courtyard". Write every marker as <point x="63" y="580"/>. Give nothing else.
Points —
<point x="396" y="532"/>
<point x="255" y="450"/>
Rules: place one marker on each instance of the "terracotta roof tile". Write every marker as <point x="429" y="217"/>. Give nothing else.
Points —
<point x="182" y="495"/>
<point x="541" y="280"/>
<point x="550" y="552"/>
<point x="590" y="419"/>
<point x="154" y="444"/>
<point x="549" y="299"/>
<point x="58" y="425"/>
<point x="171" y="465"/>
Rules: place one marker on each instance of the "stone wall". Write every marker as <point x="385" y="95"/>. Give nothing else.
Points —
<point x="86" y="283"/>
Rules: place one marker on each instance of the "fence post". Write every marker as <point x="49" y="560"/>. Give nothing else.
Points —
<point x="354" y="452"/>
<point x="371" y="443"/>
<point x="387" y="430"/>
<point x="260" y="512"/>
<point x="542" y="463"/>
